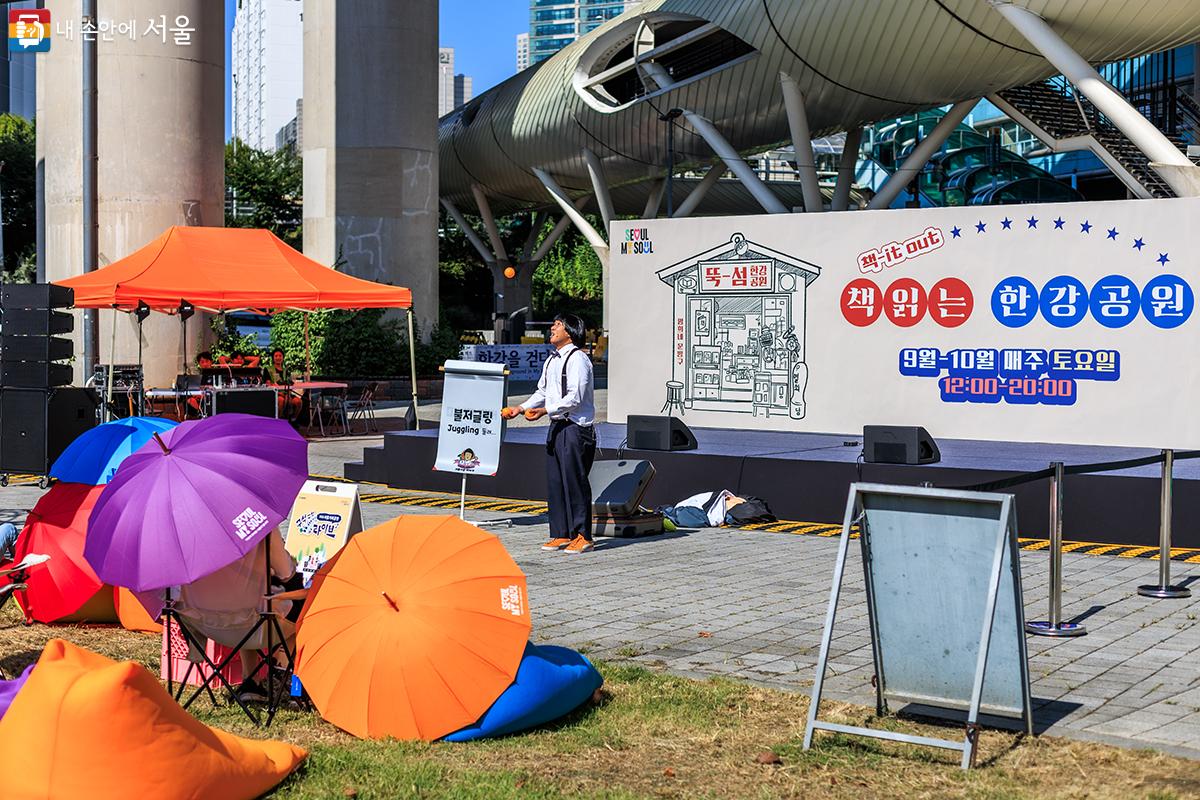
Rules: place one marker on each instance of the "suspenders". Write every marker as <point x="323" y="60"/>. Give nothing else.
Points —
<point x="566" y="358"/>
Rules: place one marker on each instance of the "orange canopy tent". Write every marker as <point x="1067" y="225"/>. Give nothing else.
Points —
<point x="226" y="269"/>
<point x="230" y="269"/>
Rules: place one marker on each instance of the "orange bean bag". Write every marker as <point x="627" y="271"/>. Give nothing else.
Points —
<point x="85" y="727"/>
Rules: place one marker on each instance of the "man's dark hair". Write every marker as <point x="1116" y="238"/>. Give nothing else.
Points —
<point x="575" y="327"/>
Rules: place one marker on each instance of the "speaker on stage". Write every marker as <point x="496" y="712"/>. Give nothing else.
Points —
<point x="899" y="444"/>
<point x="29" y="328"/>
<point x="36" y="425"/>
<point x="648" y="432"/>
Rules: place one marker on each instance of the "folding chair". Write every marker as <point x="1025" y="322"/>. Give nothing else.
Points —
<point x="333" y="408"/>
<point x="276" y="641"/>
<point x="363" y="408"/>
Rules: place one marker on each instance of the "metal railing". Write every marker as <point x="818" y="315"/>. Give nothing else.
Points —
<point x="1054" y="625"/>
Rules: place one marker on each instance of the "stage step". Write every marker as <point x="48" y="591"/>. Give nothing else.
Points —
<point x="355" y="471"/>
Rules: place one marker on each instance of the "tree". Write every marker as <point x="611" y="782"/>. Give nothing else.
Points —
<point x="264" y="189"/>
<point x="17" y="181"/>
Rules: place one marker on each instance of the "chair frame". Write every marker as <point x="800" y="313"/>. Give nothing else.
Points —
<point x="363" y="408"/>
<point x="276" y="641"/>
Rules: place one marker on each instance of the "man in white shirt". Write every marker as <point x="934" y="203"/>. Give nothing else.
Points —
<point x="564" y="393"/>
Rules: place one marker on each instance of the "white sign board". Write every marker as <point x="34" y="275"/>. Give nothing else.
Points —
<point x="523" y="361"/>
<point x="471" y="429"/>
<point x="1046" y="323"/>
<point x="323" y="518"/>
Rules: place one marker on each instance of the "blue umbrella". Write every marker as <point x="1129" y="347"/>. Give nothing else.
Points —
<point x="94" y="456"/>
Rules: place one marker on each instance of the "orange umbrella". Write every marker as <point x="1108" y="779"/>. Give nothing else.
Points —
<point x="413" y="629"/>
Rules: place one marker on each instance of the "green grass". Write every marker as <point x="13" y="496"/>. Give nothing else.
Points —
<point x="653" y="735"/>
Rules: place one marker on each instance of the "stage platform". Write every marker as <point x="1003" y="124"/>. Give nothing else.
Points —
<point x="804" y="476"/>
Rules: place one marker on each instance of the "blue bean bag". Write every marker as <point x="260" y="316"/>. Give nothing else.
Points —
<point x="551" y="682"/>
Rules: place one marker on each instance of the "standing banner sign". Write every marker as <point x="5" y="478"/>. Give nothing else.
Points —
<point x="471" y="429"/>
<point x="1062" y="323"/>
<point x="323" y="518"/>
<point x="944" y="604"/>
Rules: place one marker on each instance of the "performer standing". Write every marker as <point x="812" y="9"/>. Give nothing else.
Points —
<point x="564" y="392"/>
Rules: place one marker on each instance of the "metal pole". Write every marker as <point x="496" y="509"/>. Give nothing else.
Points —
<point x="91" y="224"/>
<point x="1164" y="589"/>
<point x="462" y="499"/>
<point x="1054" y="626"/>
<point x="412" y="366"/>
<point x="670" y="166"/>
<point x="112" y="362"/>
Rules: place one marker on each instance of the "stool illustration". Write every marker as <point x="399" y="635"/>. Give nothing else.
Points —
<point x="674" y="398"/>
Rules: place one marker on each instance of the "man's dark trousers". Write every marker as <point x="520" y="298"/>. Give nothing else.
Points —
<point x="570" y="450"/>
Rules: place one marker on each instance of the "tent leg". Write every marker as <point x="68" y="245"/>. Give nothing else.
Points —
<point x="412" y="364"/>
<point x="112" y="361"/>
<point x="307" y="356"/>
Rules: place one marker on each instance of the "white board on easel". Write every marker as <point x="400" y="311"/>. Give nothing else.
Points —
<point x="471" y="428"/>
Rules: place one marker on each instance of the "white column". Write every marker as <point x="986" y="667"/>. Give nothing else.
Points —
<point x="700" y="190"/>
<point x="845" y="178"/>
<point x="793" y="102"/>
<point x="593" y="236"/>
<point x="921" y="154"/>
<point x="1164" y="157"/>
<point x="470" y="233"/>
<point x="600" y="186"/>
<point x="489" y="223"/>
<point x="721" y="146"/>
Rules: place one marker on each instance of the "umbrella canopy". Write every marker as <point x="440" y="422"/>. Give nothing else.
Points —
<point x="57" y="527"/>
<point x="413" y="629"/>
<point x="95" y="455"/>
<point x="201" y="500"/>
<point x="222" y="269"/>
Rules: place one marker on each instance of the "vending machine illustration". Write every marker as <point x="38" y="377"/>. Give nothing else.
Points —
<point x="738" y="331"/>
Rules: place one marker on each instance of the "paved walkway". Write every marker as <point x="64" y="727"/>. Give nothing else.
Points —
<point x="751" y="605"/>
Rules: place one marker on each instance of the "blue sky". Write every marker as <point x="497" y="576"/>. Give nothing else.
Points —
<point x="485" y="42"/>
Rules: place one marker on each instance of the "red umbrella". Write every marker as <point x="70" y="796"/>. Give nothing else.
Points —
<point x="57" y="527"/>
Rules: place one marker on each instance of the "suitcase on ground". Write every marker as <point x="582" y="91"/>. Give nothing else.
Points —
<point x="641" y="524"/>
<point x="618" y="486"/>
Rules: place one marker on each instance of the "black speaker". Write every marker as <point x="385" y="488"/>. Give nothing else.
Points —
<point x="35" y="348"/>
<point x="36" y="322"/>
<point x="644" y="432"/>
<point x="36" y="295"/>
<point x="618" y="486"/>
<point x="899" y="444"/>
<point x="34" y="374"/>
<point x="259" y="402"/>
<point x="36" y="425"/>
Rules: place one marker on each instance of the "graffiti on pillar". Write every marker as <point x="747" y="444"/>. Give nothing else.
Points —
<point x="361" y="247"/>
<point x="738" y="331"/>
<point x="419" y="181"/>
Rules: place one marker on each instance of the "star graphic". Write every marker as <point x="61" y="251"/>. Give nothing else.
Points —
<point x="1058" y="223"/>
<point x="1162" y="259"/>
<point x="1032" y="222"/>
<point x="1007" y="223"/>
<point x="980" y="227"/>
<point x="1112" y="233"/>
<point x="1086" y="227"/>
<point x="956" y="232"/>
<point x="1138" y="244"/>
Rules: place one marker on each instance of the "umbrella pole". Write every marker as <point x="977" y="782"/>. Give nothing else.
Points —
<point x="307" y="355"/>
<point x="412" y="364"/>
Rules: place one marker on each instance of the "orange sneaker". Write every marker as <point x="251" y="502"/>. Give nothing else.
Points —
<point x="556" y="544"/>
<point x="579" y="545"/>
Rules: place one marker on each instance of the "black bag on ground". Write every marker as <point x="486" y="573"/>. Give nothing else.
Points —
<point x="749" y="511"/>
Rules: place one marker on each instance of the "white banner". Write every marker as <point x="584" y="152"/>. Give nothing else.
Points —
<point x="523" y="361"/>
<point x="471" y="428"/>
<point x="1046" y="323"/>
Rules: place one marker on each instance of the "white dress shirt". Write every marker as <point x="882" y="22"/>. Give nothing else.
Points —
<point x="577" y="405"/>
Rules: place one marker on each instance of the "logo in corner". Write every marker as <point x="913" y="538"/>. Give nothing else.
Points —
<point x="512" y="600"/>
<point x="466" y="460"/>
<point x="29" y="30"/>
<point x="248" y="523"/>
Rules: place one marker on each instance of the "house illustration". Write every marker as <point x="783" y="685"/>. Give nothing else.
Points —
<point x="738" y="331"/>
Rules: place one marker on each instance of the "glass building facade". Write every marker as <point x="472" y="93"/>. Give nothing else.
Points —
<point x="553" y="24"/>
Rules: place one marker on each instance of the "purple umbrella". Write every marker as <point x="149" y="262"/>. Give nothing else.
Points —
<point x="9" y="689"/>
<point x="194" y="499"/>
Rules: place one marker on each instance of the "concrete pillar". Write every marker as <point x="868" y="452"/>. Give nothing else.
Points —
<point x="370" y="143"/>
<point x="161" y="155"/>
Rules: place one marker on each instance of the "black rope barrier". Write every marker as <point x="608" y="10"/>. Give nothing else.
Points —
<point x="1075" y="469"/>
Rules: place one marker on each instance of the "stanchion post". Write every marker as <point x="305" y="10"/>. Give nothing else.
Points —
<point x="462" y="499"/>
<point x="1054" y="626"/>
<point x="1164" y="589"/>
